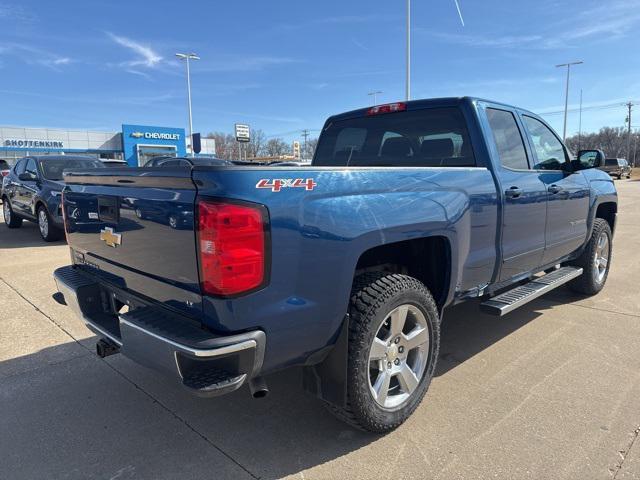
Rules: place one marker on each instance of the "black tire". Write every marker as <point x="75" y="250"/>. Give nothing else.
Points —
<point x="51" y="233"/>
<point x="590" y="282"/>
<point x="374" y="296"/>
<point x="14" y="220"/>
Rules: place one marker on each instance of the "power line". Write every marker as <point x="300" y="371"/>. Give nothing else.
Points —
<point x="293" y="132"/>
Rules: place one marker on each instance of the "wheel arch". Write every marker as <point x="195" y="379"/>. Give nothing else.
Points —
<point x="607" y="210"/>
<point x="427" y="259"/>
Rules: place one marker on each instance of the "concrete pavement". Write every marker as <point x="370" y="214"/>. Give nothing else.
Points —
<point x="550" y="391"/>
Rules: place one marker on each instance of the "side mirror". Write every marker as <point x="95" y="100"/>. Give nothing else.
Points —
<point x="590" y="159"/>
<point x="26" y="177"/>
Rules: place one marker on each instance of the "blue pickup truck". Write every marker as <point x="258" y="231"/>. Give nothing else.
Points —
<point x="344" y="267"/>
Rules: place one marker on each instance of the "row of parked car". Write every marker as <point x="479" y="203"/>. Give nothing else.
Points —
<point x="31" y="189"/>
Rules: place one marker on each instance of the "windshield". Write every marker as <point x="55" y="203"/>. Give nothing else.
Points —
<point x="430" y="137"/>
<point x="52" y="169"/>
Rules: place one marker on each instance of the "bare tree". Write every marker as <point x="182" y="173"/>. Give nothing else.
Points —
<point x="256" y="145"/>
<point x="611" y="140"/>
<point x="310" y="149"/>
<point x="276" y="147"/>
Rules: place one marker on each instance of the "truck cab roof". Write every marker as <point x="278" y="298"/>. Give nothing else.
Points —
<point x="429" y="103"/>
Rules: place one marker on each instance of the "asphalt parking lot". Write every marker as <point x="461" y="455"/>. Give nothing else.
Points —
<point x="550" y="391"/>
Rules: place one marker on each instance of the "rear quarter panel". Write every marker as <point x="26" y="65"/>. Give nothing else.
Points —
<point x="317" y="237"/>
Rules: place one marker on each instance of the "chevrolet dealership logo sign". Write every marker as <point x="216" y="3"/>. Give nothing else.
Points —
<point x="111" y="238"/>
<point x="155" y="135"/>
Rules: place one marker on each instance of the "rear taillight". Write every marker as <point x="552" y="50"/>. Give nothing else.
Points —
<point x="232" y="247"/>
<point x="387" y="108"/>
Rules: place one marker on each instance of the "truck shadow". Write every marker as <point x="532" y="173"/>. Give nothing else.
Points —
<point x="466" y="331"/>
<point x="65" y="394"/>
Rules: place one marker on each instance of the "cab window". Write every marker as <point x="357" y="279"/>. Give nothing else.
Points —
<point x="549" y="152"/>
<point x="31" y="167"/>
<point x="19" y="168"/>
<point x="427" y="137"/>
<point x="506" y="135"/>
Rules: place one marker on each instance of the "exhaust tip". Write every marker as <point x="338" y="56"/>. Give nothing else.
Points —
<point x="258" y="387"/>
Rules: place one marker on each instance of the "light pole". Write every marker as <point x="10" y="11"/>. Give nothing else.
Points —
<point x="408" y="80"/>
<point x="187" y="57"/>
<point x="375" y="96"/>
<point x="566" y="95"/>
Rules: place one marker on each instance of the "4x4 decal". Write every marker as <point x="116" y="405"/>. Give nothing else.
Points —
<point x="277" y="184"/>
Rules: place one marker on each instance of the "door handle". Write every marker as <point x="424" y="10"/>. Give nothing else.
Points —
<point x="513" y="192"/>
<point x="554" y="189"/>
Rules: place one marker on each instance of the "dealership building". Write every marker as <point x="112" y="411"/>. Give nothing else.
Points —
<point x="134" y="143"/>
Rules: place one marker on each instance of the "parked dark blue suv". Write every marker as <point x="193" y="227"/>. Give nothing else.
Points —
<point x="32" y="191"/>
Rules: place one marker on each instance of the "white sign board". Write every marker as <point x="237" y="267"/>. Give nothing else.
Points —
<point x="242" y="133"/>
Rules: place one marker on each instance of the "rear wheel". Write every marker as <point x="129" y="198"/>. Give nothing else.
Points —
<point x="394" y="337"/>
<point x="11" y="220"/>
<point x="48" y="231"/>
<point x="595" y="260"/>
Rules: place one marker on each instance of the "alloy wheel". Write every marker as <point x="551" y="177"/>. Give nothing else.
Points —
<point x="398" y="356"/>
<point x="43" y="223"/>
<point x="601" y="257"/>
<point x="6" y="211"/>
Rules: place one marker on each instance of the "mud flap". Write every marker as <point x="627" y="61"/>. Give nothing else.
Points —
<point x="327" y="380"/>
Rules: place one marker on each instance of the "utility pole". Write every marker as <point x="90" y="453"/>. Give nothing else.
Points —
<point x="187" y="57"/>
<point x="408" y="80"/>
<point x="635" y="149"/>
<point x="566" y="95"/>
<point x="305" y="134"/>
<point x="629" y="105"/>
<point x="375" y="96"/>
<point x="580" y="123"/>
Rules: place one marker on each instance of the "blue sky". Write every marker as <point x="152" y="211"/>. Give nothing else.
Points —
<point x="286" y="65"/>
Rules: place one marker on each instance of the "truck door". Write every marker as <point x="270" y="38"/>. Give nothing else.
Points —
<point x="11" y="188"/>
<point x="567" y="192"/>
<point x="27" y="189"/>
<point x="525" y="196"/>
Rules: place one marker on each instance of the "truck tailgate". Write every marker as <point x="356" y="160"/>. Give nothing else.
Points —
<point x="135" y="229"/>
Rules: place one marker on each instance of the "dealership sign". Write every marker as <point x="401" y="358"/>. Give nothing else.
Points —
<point x="243" y="133"/>
<point x="155" y="135"/>
<point x="34" y="143"/>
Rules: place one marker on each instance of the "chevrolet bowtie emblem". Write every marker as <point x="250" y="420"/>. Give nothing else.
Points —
<point x="111" y="238"/>
<point x="137" y="134"/>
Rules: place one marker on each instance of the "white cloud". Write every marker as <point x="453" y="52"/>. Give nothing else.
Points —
<point x="602" y="22"/>
<point x="35" y="56"/>
<point x="243" y="63"/>
<point x="146" y="56"/>
<point x="506" y="41"/>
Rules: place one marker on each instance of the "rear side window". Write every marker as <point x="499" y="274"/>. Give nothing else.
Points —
<point x="431" y="137"/>
<point x="611" y="162"/>
<point x="508" y="139"/>
<point x="548" y="148"/>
